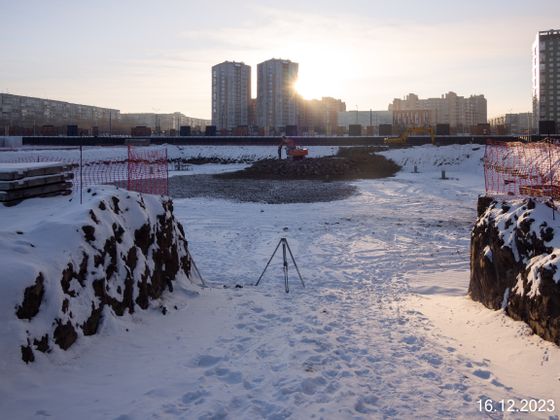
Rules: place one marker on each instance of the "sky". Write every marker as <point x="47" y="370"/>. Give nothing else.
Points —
<point x="140" y="56"/>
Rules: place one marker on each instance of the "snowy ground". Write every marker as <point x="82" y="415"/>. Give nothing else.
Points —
<point x="241" y="153"/>
<point x="382" y="329"/>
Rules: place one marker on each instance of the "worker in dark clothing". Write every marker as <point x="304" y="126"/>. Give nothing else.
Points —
<point x="282" y="144"/>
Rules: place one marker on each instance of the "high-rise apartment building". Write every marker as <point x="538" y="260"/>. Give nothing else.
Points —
<point x="459" y="112"/>
<point x="546" y="77"/>
<point x="276" y="95"/>
<point x="231" y="95"/>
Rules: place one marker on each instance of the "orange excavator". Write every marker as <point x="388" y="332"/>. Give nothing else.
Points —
<point x="292" y="150"/>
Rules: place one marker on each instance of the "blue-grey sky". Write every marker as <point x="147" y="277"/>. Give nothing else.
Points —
<point x="156" y="55"/>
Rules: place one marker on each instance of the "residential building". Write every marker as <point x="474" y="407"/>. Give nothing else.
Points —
<point x="276" y="95"/>
<point x="370" y="118"/>
<point x="25" y="115"/>
<point x="517" y="124"/>
<point x="546" y="77"/>
<point x="459" y="112"/>
<point x="231" y="95"/>
<point x="319" y="116"/>
<point x="162" y="123"/>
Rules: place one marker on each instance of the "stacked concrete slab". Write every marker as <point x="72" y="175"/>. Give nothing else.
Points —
<point x="19" y="181"/>
<point x="11" y="141"/>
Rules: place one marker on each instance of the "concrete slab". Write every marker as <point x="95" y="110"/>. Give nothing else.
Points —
<point x="19" y="184"/>
<point x="15" y="195"/>
<point x="12" y="171"/>
<point x="11" y="141"/>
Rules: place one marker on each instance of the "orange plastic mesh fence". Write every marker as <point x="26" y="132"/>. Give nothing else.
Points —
<point x="522" y="169"/>
<point x="138" y="168"/>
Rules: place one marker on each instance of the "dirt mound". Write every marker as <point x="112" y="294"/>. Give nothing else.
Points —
<point x="514" y="263"/>
<point x="270" y="191"/>
<point x="348" y="164"/>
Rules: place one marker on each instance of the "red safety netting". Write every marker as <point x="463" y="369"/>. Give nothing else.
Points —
<point x="522" y="169"/>
<point x="137" y="168"/>
<point x="147" y="170"/>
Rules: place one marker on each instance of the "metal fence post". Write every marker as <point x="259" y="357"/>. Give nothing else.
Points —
<point x="128" y="167"/>
<point x="81" y="175"/>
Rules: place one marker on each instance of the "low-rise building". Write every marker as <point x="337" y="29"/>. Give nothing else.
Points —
<point x="163" y="123"/>
<point x="372" y="119"/>
<point x="459" y="112"/>
<point x="25" y="115"/>
<point x="517" y="124"/>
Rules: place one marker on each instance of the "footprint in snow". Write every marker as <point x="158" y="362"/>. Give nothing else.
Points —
<point x="364" y="404"/>
<point x="257" y="310"/>
<point x="196" y="397"/>
<point x="483" y="374"/>
<point x="433" y="359"/>
<point x="309" y="386"/>
<point x="207" y="360"/>
<point x="225" y="375"/>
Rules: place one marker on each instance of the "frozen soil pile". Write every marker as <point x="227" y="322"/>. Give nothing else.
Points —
<point x="514" y="262"/>
<point x="71" y="274"/>
<point x="286" y="181"/>
<point x="259" y="191"/>
<point x="348" y="164"/>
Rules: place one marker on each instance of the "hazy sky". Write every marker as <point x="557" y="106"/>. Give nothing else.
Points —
<point x="155" y="56"/>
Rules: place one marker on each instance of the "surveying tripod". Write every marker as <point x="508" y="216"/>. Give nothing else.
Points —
<point x="285" y="246"/>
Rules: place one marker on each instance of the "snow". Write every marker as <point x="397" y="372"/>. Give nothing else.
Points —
<point x="30" y="245"/>
<point x="501" y="351"/>
<point x="382" y="329"/>
<point x="11" y="167"/>
<point x="509" y="219"/>
<point x="239" y="153"/>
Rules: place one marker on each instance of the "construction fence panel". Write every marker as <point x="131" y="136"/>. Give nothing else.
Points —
<point x="137" y="168"/>
<point x="522" y="169"/>
<point x="147" y="170"/>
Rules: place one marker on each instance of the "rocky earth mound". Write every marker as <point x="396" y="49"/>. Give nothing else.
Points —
<point x="118" y="253"/>
<point x="349" y="163"/>
<point x="515" y="259"/>
<point x="268" y="191"/>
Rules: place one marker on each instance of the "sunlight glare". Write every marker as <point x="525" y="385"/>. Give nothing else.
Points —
<point x="319" y="76"/>
<point x="311" y="87"/>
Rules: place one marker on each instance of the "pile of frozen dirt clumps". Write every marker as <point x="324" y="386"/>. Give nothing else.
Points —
<point x="348" y="164"/>
<point x="515" y="262"/>
<point x="67" y="275"/>
<point x="259" y="190"/>
<point x="275" y="181"/>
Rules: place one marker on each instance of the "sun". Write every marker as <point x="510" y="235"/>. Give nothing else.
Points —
<point x="318" y="79"/>
<point x="311" y="87"/>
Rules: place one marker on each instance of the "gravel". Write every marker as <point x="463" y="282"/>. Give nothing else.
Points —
<point x="259" y="191"/>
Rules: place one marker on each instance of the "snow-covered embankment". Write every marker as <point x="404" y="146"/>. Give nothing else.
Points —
<point x="515" y="261"/>
<point x="67" y="274"/>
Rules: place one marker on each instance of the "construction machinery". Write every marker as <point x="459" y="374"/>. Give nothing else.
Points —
<point x="293" y="151"/>
<point x="402" y="140"/>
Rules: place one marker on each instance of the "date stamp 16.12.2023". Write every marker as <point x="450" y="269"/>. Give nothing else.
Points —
<point x="516" y="406"/>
